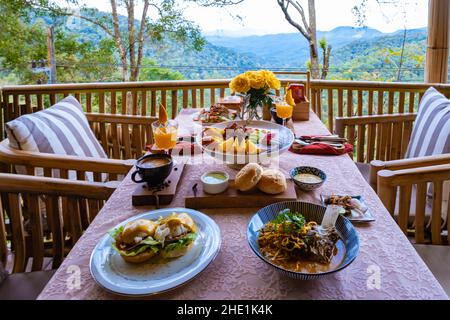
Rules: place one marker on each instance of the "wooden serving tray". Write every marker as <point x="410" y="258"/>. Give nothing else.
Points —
<point x="142" y="196"/>
<point x="233" y="198"/>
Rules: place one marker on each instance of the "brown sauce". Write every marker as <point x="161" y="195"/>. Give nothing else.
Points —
<point x="306" y="266"/>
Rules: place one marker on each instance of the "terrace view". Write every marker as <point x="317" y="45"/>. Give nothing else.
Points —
<point x="227" y="149"/>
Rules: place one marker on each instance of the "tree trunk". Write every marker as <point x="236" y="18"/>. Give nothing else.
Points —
<point x="131" y="39"/>
<point x="313" y="40"/>
<point x="326" y="62"/>
<point x="119" y="42"/>
<point x="314" y="61"/>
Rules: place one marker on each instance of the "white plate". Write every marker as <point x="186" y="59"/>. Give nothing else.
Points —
<point x="283" y="134"/>
<point x="112" y="273"/>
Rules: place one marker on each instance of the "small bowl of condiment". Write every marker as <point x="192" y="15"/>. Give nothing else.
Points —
<point x="308" y="178"/>
<point x="215" y="182"/>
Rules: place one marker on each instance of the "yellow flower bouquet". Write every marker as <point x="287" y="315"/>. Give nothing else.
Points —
<point x="256" y="88"/>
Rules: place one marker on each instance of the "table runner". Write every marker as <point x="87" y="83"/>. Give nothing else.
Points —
<point x="387" y="267"/>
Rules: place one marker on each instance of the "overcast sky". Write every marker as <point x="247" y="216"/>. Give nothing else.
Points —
<point x="265" y="16"/>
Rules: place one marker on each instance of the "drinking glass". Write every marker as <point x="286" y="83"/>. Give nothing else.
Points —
<point x="165" y="134"/>
<point x="284" y="110"/>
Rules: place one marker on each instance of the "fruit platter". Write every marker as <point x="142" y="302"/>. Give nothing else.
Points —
<point x="241" y="142"/>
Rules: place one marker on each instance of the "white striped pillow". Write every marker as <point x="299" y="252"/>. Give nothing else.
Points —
<point x="60" y="129"/>
<point x="431" y="132"/>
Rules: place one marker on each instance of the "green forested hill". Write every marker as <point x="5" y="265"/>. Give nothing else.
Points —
<point x="358" y="53"/>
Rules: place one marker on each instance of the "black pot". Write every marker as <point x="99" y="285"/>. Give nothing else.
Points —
<point x="153" y="176"/>
<point x="278" y="120"/>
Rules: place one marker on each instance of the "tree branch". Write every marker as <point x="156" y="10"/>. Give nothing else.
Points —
<point x="299" y="8"/>
<point x="119" y="40"/>
<point x="141" y="37"/>
<point x="284" y="5"/>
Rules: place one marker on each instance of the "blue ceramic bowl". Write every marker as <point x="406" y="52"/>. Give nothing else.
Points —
<point x="311" y="212"/>
<point x="306" y="186"/>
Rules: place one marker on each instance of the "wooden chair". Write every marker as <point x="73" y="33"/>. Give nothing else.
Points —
<point x="121" y="136"/>
<point x="403" y="184"/>
<point x="380" y="143"/>
<point x="64" y="201"/>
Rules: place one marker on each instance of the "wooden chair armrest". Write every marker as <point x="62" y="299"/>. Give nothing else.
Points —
<point x="56" y="161"/>
<point x="389" y="180"/>
<point x="411" y="163"/>
<point x="53" y="186"/>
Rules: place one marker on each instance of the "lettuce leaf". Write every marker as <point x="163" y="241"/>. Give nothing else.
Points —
<point x="113" y="233"/>
<point x="136" y="250"/>
<point x="185" y="241"/>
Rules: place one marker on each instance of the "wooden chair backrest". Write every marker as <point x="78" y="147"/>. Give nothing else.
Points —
<point x="27" y="203"/>
<point x="380" y="137"/>
<point x="122" y="136"/>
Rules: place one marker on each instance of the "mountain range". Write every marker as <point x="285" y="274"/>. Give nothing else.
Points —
<point x="291" y="49"/>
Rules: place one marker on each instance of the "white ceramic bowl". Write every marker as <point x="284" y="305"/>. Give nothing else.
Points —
<point x="215" y="188"/>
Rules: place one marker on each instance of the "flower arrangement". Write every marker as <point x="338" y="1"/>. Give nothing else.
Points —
<point x="256" y="88"/>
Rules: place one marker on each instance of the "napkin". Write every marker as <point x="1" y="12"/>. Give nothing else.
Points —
<point x="320" y="147"/>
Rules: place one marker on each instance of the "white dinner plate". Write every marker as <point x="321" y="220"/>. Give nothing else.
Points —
<point x="158" y="275"/>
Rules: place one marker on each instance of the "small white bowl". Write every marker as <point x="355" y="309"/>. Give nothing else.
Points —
<point x="217" y="187"/>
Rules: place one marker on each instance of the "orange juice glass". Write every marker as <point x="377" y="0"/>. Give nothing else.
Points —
<point x="284" y="110"/>
<point x="165" y="134"/>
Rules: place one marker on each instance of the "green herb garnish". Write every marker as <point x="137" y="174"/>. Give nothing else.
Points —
<point x="286" y="215"/>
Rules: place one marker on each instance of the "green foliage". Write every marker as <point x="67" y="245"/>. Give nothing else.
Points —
<point x="151" y="72"/>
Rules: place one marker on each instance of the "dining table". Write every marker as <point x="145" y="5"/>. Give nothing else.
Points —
<point x="387" y="266"/>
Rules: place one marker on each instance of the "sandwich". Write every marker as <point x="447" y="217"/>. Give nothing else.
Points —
<point x="176" y="233"/>
<point x="135" y="241"/>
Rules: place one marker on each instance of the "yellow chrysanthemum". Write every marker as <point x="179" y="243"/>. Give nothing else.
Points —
<point x="270" y="79"/>
<point x="257" y="81"/>
<point x="241" y="84"/>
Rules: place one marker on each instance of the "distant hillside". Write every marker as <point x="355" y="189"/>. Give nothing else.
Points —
<point x="291" y="49"/>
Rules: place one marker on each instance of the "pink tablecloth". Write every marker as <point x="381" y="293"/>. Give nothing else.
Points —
<point x="387" y="267"/>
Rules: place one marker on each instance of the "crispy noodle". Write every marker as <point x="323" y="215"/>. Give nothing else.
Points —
<point x="282" y="246"/>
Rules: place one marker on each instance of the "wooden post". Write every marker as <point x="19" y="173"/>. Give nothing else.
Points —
<point x="436" y="69"/>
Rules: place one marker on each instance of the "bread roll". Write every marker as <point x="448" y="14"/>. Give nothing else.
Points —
<point x="141" y="257"/>
<point x="248" y="177"/>
<point x="272" y="182"/>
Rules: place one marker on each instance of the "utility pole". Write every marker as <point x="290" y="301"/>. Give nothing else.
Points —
<point x="51" y="55"/>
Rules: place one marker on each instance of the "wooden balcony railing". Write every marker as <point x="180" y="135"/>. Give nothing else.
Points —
<point x="329" y="99"/>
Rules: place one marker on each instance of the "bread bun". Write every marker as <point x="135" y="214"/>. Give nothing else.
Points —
<point x="141" y="257"/>
<point x="177" y="252"/>
<point x="248" y="177"/>
<point x="138" y="228"/>
<point x="272" y="182"/>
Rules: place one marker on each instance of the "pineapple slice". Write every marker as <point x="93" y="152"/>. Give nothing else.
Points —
<point x="216" y="133"/>
<point x="226" y="146"/>
<point x="251" y="148"/>
<point x="241" y="146"/>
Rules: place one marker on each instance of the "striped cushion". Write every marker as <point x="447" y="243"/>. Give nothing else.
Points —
<point x="431" y="132"/>
<point x="60" y="129"/>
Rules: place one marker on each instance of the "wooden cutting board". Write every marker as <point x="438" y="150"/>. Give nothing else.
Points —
<point x="142" y="196"/>
<point x="233" y="198"/>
